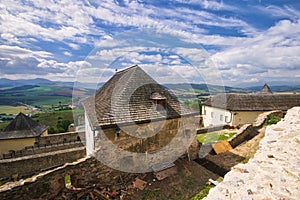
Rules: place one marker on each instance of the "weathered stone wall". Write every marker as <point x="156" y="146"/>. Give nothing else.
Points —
<point x="273" y="172"/>
<point x="248" y="131"/>
<point x="32" y="150"/>
<point x="28" y="165"/>
<point x="260" y="120"/>
<point x="133" y="138"/>
<point x="141" y="147"/>
<point x="58" y="138"/>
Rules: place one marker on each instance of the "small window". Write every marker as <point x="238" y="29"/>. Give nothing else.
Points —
<point x="226" y="119"/>
<point x="159" y="100"/>
<point x="161" y="103"/>
<point x="204" y="112"/>
<point x="212" y="114"/>
<point x="221" y="118"/>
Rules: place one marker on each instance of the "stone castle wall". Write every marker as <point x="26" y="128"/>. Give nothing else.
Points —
<point x="273" y="172"/>
<point x="58" y="138"/>
<point x="248" y="131"/>
<point x="29" y="165"/>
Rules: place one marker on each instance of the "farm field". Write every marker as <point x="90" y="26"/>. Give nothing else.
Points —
<point x="15" y="109"/>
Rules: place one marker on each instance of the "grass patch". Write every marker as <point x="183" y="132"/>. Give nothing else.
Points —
<point x="214" y="136"/>
<point x="203" y="193"/>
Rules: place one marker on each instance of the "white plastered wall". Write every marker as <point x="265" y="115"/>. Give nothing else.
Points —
<point x="216" y="116"/>
<point x="89" y="137"/>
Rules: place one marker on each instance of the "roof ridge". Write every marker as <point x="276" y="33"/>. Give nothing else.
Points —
<point x="27" y="122"/>
<point x="127" y="69"/>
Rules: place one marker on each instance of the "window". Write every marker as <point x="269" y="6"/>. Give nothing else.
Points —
<point x="212" y="114"/>
<point x="161" y="103"/>
<point x="204" y="112"/>
<point x="159" y="100"/>
<point x="226" y="119"/>
<point x="221" y="118"/>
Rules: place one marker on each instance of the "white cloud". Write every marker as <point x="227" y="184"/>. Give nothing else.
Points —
<point x="16" y="61"/>
<point x="209" y="4"/>
<point x="276" y="11"/>
<point x="16" y="51"/>
<point x="74" y="46"/>
<point x="270" y="54"/>
<point x="67" y="53"/>
<point x="25" y="25"/>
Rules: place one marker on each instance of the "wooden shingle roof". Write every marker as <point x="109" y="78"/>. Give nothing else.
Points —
<point x="22" y="127"/>
<point x="130" y="96"/>
<point x="265" y="90"/>
<point x="254" y="102"/>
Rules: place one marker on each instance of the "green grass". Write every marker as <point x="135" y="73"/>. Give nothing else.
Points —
<point x="14" y="109"/>
<point x="36" y="95"/>
<point x="214" y="136"/>
<point x="272" y="120"/>
<point x="3" y="125"/>
<point x="203" y="193"/>
<point x="51" y="118"/>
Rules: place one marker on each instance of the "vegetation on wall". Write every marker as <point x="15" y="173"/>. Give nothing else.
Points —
<point x="272" y="119"/>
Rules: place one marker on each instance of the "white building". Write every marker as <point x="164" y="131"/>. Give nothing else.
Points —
<point x="239" y="109"/>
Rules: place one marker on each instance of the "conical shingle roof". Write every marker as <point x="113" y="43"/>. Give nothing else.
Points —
<point x="265" y="90"/>
<point x="22" y="127"/>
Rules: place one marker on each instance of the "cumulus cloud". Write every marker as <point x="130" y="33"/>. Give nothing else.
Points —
<point x="16" y="61"/>
<point x="37" y="37"/>
<point x="273" y="52"/>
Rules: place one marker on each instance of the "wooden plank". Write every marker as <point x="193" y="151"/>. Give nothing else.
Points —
<point x="140" y="184"/>
<point x="221" y="146"/>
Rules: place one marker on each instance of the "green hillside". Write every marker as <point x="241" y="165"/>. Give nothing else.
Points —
<point x="36" y="95"/>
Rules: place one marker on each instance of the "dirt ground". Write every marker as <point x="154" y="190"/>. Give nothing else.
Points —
<point x="240" y="154"/>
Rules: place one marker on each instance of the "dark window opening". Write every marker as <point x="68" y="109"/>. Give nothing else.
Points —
<point x="160" y="104"/>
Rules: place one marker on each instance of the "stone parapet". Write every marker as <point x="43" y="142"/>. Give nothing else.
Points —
<point x="273" y="172"/>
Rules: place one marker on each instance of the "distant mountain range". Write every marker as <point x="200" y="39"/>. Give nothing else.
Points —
<point x="198" y="88"/>
<point x="4" y="82"/>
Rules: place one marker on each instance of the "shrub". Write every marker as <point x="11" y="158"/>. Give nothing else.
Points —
<point x="272" y="119"/>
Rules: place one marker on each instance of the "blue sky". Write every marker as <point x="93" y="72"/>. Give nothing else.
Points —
<point x="245" y="42"/>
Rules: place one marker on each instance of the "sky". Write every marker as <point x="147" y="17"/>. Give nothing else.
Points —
<point x="230" y="42"/>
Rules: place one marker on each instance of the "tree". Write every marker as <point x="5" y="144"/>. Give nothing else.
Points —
<point x="63" y="125"/>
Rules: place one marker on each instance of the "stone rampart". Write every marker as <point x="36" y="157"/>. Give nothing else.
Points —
<point x="58" y="138"/>
<point x="273" y="172"/>
<point x="29" y="165"/>
<point x="33" y="150"/>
